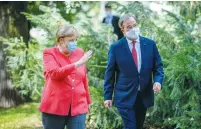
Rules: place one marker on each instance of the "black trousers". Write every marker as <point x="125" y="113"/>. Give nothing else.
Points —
<point x="134" y="118"/>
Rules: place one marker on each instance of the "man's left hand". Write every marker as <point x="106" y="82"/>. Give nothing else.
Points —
<point x="156" y="87"/>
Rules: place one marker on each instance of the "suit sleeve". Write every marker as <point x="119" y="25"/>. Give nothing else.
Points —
<point x="158" y="73"/>
<point x="86" y="86"/>
<point x="103" y="20"/>
<point x="109" y="78"/>
<point x="53" y="70"/>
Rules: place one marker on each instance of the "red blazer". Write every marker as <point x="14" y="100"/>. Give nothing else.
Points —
<point x="65" y="85"/>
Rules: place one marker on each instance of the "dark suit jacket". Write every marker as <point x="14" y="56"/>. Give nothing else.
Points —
<point x="117" y="30"/>
<point x="128" y="78"/>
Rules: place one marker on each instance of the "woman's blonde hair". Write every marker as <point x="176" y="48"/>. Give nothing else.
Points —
<point x="66" y="30"/>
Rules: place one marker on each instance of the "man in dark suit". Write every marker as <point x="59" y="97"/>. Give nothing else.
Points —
<point x="113" y="20"/>
<point x="139" y="74"/>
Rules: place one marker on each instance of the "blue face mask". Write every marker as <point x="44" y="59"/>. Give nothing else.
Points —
<point x="72" y="45"/>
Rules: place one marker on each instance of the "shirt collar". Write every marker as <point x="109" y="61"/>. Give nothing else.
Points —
<point x="130" y="41"/>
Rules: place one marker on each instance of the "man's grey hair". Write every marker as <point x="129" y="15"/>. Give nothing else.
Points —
<point x="124" y="18"/>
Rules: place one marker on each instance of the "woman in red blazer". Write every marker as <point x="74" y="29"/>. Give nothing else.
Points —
<point x="65" y="98"/>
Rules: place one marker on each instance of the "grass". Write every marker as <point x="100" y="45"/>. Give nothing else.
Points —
<point x="24" y="116"/>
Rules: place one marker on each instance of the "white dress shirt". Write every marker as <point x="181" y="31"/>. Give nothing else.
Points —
<point x="138" y="50"/>
<point x="108" y="19"/>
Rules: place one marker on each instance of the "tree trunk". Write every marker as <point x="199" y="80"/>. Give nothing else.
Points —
<point x="12" y="24"/>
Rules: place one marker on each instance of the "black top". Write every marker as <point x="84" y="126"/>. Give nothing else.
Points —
<point x="117" y="30"/>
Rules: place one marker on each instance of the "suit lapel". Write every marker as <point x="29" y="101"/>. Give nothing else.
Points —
<point x="143" y="52"/>
<point x="113" y="20"/>
<point x="128" y="52"/>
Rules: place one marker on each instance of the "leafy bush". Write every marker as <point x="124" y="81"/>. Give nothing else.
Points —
<point x="100" y="117"/>
<point x="25" y="67"/>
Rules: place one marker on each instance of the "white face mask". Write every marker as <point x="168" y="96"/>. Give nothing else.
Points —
<point x="108" y="13"/>
<point x="133" y="34"/>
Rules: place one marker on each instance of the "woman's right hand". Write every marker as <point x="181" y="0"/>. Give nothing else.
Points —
<point x="84" y="58"/>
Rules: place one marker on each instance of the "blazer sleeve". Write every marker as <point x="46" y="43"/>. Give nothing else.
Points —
<point x="109" y="78"/>
<point x="158" y="73"/>
<point x="86" y="86"/>
<point x="53" y="70"/>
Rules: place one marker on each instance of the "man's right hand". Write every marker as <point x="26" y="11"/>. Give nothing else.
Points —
<point x="108" y="103"/>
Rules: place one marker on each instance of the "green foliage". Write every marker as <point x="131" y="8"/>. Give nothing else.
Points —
<point x="24" y="66"/>
<point x="182" y="74"/>
<point x="100" y="117"/>
<point x="48" y="21"/>
<point x="99" y="44"/>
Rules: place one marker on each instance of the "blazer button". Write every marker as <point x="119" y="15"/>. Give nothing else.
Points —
<point x="72" y="88"/>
